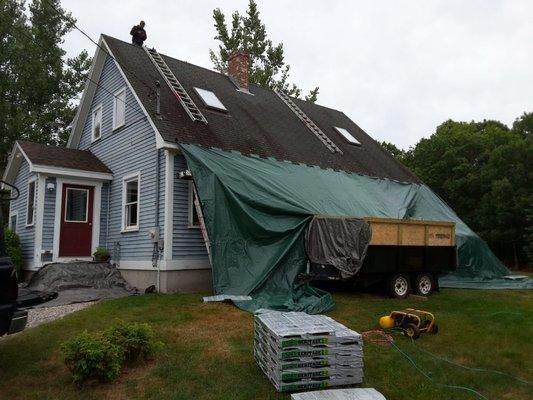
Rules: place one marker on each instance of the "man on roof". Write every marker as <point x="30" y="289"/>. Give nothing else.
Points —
<point x="138" y="34"/>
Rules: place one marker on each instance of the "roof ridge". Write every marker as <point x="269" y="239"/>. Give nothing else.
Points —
<point x="224" y="75"/>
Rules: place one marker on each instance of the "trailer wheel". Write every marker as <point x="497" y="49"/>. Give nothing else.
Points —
<point x="399" y="286"/>
<point x="424" y="284"/>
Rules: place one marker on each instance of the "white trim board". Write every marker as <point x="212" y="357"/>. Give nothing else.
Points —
<point x="166" y="265"/>
<point x="168" y="228"/>
<point x="97" y="199"/>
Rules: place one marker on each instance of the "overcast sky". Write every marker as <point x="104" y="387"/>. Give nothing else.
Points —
<point x="397" y="68"/>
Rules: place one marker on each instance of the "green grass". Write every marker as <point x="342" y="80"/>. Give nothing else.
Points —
<point x="208" y="349"/>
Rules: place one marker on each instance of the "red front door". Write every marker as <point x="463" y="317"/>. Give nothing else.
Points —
<point x="75" y="238"/>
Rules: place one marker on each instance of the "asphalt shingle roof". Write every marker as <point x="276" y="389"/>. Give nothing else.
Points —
<point x="259" y="124"/>
<point x="62" y="157"/>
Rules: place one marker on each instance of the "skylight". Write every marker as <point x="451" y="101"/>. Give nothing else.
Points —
<point x="210" y="99"/>
<point x="348" y="136"/>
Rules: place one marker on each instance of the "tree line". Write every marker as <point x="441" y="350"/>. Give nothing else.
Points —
<point x="484" y="171"/>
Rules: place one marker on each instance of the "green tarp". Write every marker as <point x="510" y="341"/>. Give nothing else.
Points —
<point x="256" y="211"/>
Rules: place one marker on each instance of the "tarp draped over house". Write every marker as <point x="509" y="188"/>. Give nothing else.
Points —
<point x="256" y="212"/>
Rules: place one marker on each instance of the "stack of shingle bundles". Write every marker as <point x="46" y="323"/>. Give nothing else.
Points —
<point x="298" y="351"/>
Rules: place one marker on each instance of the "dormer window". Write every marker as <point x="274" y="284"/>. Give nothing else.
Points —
<point x="119" y="108"/>
<point x="210" y="99"/>
<point x="348" y="136"/>
<point x="97" y="123"/>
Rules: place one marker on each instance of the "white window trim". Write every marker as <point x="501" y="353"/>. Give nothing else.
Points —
<point x="125" y="179"/>
<point x="98" y="107"/>
<point x="115" y="95"/>
<point x="34" y="180"/>
<point x="191" y="207"/>
<point x="16" y="215"/>
<point x="86" y="206"/>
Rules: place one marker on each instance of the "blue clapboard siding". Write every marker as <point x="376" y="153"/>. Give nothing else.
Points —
<point x="49" y="215"/>
<point x="103" y="216"/>
<point x="126" y="150"/>
<point x="188" y="242"/>
<point x="26" y="234"/>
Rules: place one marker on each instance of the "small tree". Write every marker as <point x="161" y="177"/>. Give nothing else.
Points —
<point x="267" y="64"/>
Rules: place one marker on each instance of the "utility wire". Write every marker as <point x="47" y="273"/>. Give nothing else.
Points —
<point x="70" y="21"/>
<point x="132" y="107"/>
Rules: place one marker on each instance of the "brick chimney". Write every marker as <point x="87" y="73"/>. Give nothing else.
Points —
<point x="238" y="63"/>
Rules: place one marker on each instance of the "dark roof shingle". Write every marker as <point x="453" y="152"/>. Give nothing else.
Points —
<point x="62" y="157"/>
<point x="258" y="124"/>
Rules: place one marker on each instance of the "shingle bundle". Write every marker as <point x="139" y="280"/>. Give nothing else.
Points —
<point x="298" y="351"/>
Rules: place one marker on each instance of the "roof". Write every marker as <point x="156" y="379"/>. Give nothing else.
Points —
<point x="61" y="157"/>
<point x="260" y="124"/>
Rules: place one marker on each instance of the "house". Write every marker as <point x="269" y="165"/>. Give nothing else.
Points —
<point x="116" y="184"/>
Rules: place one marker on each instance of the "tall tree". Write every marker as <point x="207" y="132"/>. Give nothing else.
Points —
<point x="484" y="171"/>
<point x="267" y="63"/>
<point x="38" y="85"/>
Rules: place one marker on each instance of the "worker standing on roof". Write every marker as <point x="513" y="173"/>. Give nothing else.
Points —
<point x="138" y="34"/>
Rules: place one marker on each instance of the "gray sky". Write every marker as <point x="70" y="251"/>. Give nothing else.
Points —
<point x="397" y="68"/>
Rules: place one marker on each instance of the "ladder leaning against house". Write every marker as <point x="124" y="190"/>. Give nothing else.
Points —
<point x="175" y="86"/>
<point x="187" y="175"/>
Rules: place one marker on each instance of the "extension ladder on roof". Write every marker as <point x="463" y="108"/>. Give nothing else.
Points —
<point x="308" y="122"/>
<point x="175" y="86"/>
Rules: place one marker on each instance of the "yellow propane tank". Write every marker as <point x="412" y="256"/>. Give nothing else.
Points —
<point x="386" y="322"/>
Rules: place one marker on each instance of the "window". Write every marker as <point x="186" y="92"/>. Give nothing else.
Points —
<point x="194" y="221"/>
<point x="30" y="206"/>
<point x="13" y="222"/>
<point x="210" y="99"/>
<point x="77" y="205"/>
<point x="97" y="123"/>
<point x="348" y="136"/>
<point x="130" y="202"/>
<point x="119" y="108"/>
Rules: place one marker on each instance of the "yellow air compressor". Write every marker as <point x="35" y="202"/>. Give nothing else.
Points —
<point x="410" y="321"/>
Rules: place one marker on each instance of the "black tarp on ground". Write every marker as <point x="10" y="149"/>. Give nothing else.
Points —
<point x="80" y="281"/>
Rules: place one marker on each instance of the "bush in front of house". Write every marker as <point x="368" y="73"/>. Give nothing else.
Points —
<point x="101" y="254"/>
<point x="14" y="250"/>
<point x="91" y="356"/>
<point x="137" y="340"/>
<point x="102" y="355"/>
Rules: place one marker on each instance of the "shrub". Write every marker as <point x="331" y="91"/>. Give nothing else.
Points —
<point x="137" y="340"/>
<point x="14" y="250"/>
<point x="92" y="356"/>
<point x="101" y="254"/>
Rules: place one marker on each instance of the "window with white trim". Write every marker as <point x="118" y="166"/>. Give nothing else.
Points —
<point x="348" y="136"/>
<point x="119" y="108"/>
<point x="130" y="202"/>
<point x="13" y="222"/>
<point x="30" y="205"/>
<point x="194" y="221"/>
<point x="97" y="123"/>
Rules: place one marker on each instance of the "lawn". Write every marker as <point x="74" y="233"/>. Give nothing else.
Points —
<point x="208" y="350"/>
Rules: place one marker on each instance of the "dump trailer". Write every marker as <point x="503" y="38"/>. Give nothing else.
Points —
<point x="402" y="255"/>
